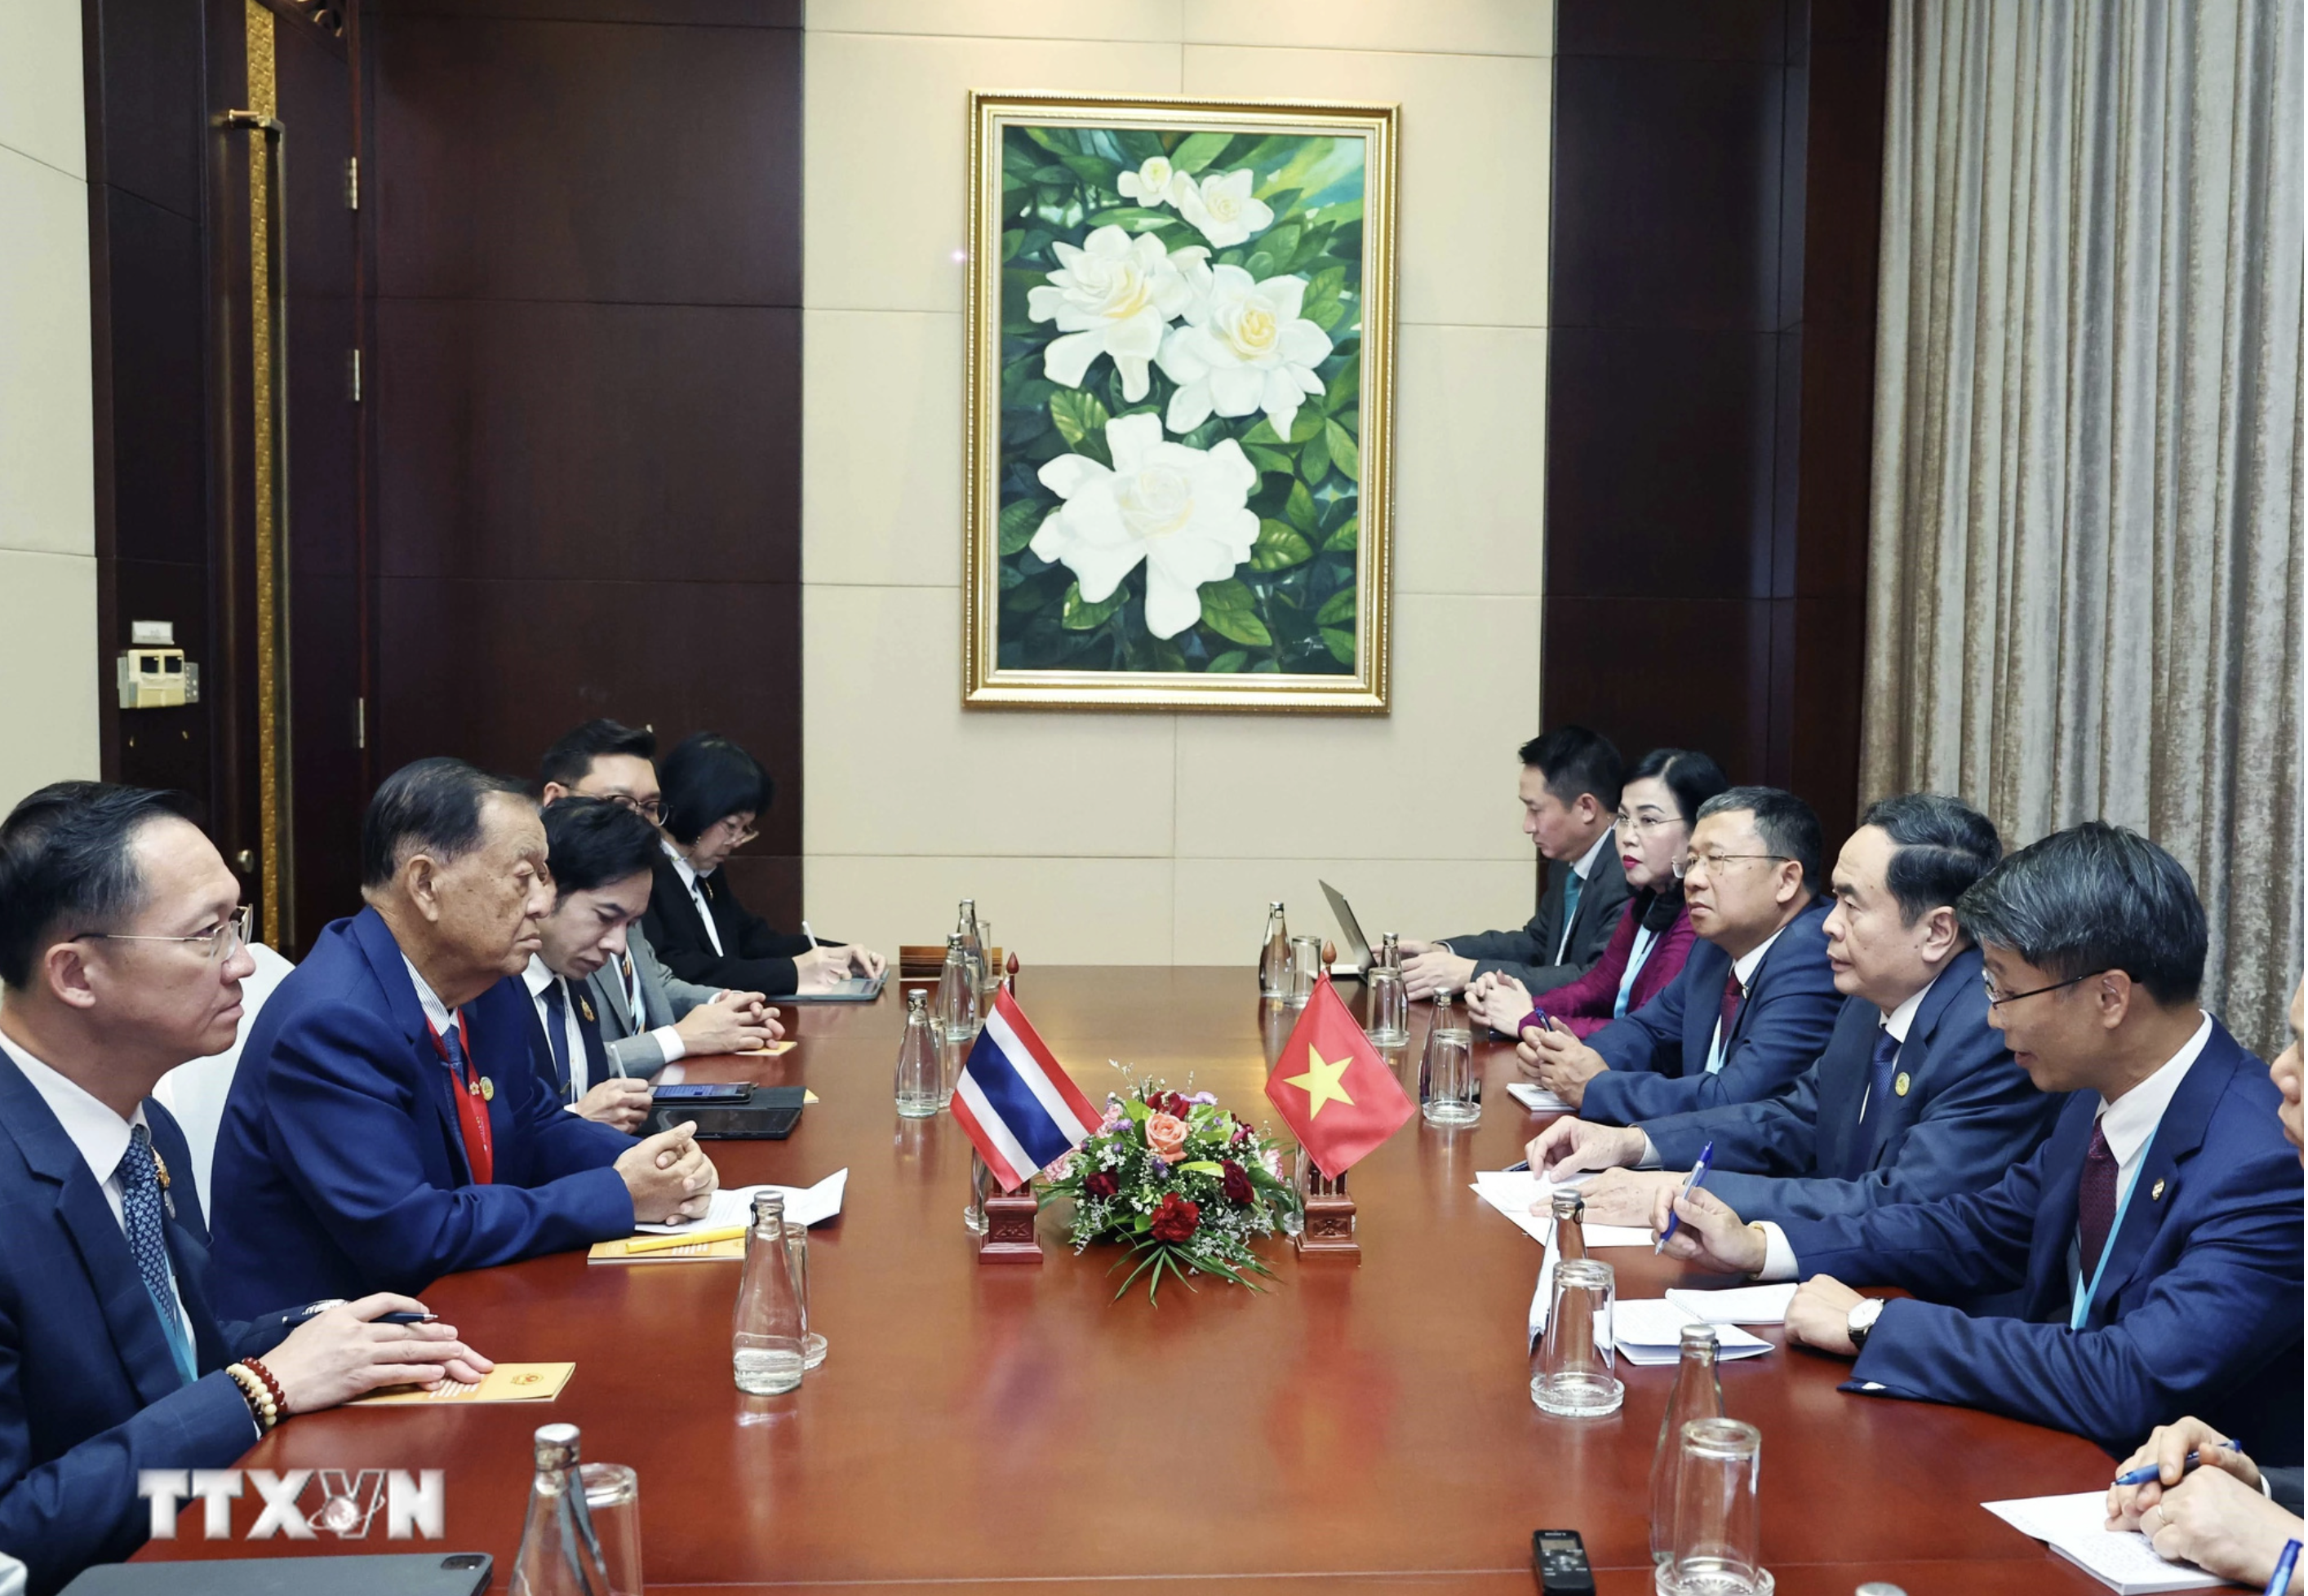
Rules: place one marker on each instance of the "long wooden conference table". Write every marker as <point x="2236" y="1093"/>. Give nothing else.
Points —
<point x="1016" y="1429"/>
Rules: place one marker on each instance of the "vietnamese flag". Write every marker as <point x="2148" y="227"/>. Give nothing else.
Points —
<point x="1331" y="1087"/>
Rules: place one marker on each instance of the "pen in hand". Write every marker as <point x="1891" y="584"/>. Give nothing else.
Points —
<point x="2148" y="1471"/>
<point x="1689" y="1184"/>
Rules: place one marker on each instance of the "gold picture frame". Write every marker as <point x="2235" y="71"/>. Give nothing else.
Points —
<point x="1180" y="385"/>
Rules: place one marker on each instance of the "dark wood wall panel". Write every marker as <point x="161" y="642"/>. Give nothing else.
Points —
<point x="1710" y="380"/>
<point x="588" y="350"/>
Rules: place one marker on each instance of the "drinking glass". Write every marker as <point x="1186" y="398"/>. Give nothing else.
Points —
<point x="1577" y="1355"/>
<point x="1294" y="1218"/>
<point x="1305" y="964"/>
<point x="812" y="1344"/>
<point x="613" y="1501"/>
<point x="1390" y="1008"/>
<point x="1717" y="1528"/>
<point x="1449" y="1073"/>
<point x="991" y="976"/>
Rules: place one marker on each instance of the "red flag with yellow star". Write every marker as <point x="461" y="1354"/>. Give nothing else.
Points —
<point x="1333" y="1088"/>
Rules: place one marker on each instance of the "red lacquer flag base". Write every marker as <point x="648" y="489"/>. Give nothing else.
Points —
<point x="1010" y="1229"/>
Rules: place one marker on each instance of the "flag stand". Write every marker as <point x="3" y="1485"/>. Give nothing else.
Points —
<point x="1330" y="1228"/>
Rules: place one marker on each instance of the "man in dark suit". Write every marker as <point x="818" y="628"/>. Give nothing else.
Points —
<point x="2154" y="1239"/>
<point x="122" y="955"/>
<point x="1915" y="1097"/>
<point x="388" y="1124"/>
<point x="1569" y="791"/>
<point x="1756" y="999"/>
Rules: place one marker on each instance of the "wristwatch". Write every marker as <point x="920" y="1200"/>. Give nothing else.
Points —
<point x="1861" y="1319"/>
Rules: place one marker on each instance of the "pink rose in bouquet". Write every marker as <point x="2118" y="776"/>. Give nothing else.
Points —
<point x="1165" y="1134"/>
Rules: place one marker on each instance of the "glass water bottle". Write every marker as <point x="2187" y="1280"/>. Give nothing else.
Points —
<point x="766" y="1343"/>
<point x="1274" y="958"/>
<point x="956" y="1008"/>
<point x="560" y="1555"/>
<point x="973" y="942"/>
<point x="921" y="1068"/>
<point x="1569" y="1226"/>
<point x="1698" y="1394"/>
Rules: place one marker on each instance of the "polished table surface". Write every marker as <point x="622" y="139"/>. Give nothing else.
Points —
<point x="1016" y="1429"/>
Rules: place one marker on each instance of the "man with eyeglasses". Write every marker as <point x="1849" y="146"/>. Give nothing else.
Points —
<point x="1755" y="1003"/>
<point x="389" y="1123"/>
<point x="2154" y="1239"/>
<point x="122" y="955"/>
<point x="1916" y="1095"/>
<point x="648" y="1017"/>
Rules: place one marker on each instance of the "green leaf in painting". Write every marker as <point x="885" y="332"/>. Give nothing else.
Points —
<point x="1077" y="414"/>
<point x="1011" y="240"/>
<point x="1341" y="644"/>
<point x="1314" y="460"/>
<point x="1260" y="265"/>
<point x="1322" y="289"/>
<point x="1343" y="451"/>
<point x="1019" y="522"/>
<point x="1080" y="615"/>
<point x="1266" y="458"/>
<point x="1281" y="242"/>
<point x="1199" y="151"/>
<point x="1343" y="388"/>
<point x="1229" y="610"/>
<point x="1231" y="661"/>
<point x="1339" y="607"/>
<point x="1279" y="547"/>
<point x="1306" y="424"/>
<point x="1347" y="536"/>
<point x="1299" y="511"/>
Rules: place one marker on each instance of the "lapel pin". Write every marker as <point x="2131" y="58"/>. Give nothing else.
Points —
<point x="2156" y="1192"/>
<point x="585" y="1008"/>
<point x="488" y="1090"/>
<point x="1901" y="1084"/>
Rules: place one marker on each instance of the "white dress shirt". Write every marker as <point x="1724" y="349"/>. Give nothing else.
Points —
<point x="430" y="1001"/>
<point x="538" y="979"/>
<point x="103" y="1138"/>
<point x="1744" y="967"/>
<point x="688" y="874"/>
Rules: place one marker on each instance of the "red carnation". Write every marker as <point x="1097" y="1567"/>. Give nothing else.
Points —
<point x="1100" y="1184"/>
<point x="1176" y="1105"/>
<point x="1233" y="1181"/>
<point x="1176" y="1219"/>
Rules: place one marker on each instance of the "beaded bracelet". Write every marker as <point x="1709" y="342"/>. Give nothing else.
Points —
<point x="279" y="1397"/>
<point x="253" y="1392"/>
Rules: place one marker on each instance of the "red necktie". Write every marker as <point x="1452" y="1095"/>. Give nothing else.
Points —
<point x="472" y="1108"/>
<point x="1733" y="994"/>
<point x="2095" y="1201"/>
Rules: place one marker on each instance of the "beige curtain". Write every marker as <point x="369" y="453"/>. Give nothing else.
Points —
<point x="2084" y="590"/>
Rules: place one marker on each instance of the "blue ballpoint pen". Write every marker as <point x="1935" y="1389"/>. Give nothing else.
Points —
<point x="1689" y="1184"/>
<point x="2147" y="1471"/>
<point x="2281" y="1581"/>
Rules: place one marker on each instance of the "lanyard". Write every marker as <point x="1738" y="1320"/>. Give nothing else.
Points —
<point x="2084" y="1294"/>
<point x="472" y="1102"/>
<point x="1638" y="957"/>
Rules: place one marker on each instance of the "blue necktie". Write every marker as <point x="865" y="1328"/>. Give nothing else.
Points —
<point x="1877" y="1114"/>
<point x="139" y="1174"/>
<point x="557" y="1032"/>
<point x="1572" y="888"/>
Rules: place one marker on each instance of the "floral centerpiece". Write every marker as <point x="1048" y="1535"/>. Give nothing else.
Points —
<point x="1182" y="1183"/>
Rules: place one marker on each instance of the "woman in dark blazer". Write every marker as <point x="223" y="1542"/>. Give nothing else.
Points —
<point x="714" y="791"/>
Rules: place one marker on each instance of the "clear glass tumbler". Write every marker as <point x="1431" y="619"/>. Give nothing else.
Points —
<point x="1448" y="1070"/>
<point x="812" y="1344"/>
<point x="1390" y="1008"/>
<point x="991" y="976"/>
<point x="1577" y="1356"/>
<point x="1305" y="964"/>
<point x="1718" y="1531"/>
<point x="613" y="1501"/>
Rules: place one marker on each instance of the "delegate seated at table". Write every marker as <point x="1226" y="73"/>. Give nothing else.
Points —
<point x="2155" y="1238"/>
<point x="1916" y="1097"/>
<point x="121" y="956"/>
<point x="389" y="1124"/>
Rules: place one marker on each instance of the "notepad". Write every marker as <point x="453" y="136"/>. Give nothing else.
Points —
<point x="1514" y="1193"/>
<point x="1536" y="1098"/>
<point x="1649" y="1331"/>
<point x="507" y="1382"/>
<point x="2075" y="1526"/>
<point x="697" y="1252"/>
<point x="768" y="1049"/>
<point x="1738" y="1304"/>
<point x="733" y="1205"/>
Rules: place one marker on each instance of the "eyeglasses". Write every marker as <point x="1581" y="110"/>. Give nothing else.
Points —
<point x="1715" y="862"/>
<point x="651" y="810"/>
<point x="222" y="943"/>
<point x="1642" y="824"/>
<point x="742" y="837"/>
<point x="1996" y="1001"/>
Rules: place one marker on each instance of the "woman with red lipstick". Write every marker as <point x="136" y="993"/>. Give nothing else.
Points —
<point x="1657" y="807"/>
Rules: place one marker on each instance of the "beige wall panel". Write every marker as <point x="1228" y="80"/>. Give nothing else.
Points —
<point x="885" y="214"/>
<point x="1152" y="21"/>
<point x="1052" y="909"/>
<point x="47" y="671"/>
<point x="881" y="496"/>
<point x="1221" y="914"/>
<point x="40" y="86"/>
<point x="1473" y="217"/>
<point x="1470" y="446"/>
<point x="1433" y="780"/>
<point x="896" y="767"/>
<point x="48" y="463"/>
<point x="1451" y="27"/>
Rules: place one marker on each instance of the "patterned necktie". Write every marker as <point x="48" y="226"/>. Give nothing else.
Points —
<point x="1572" y="888"/>
<point x="2095" y="1201"/>
<point x="1876" y="1114"/>
<point x="557" y="1034"/>
<point x="139" y="1174"/>
<point x="1734" y="994"/>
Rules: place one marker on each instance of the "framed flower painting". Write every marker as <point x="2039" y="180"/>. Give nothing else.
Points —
<point x="1180" y="380"/>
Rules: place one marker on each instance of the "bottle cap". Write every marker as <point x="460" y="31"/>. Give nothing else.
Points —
<point x="556" y="1446"/>
<point x="1275" y="907"/>
<point x="1877" y="1587"/>
<point x="953" y="940"/>
<point x="916" y="998"/>
<point x="1569" y="1204"/>
<point x="768" y="1205"/>
<point x="1698" y="1336"/>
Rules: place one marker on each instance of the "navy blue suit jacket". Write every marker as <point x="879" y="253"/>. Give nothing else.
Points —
<point x="89" y="1392"/>
<point x="340" y="1168"/>
<point x="1657" y="1055"/>
<point x="2198" y="1310"/>
<point x="1968" y="1114"/>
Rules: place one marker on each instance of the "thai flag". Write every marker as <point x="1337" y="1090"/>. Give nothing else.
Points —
<point x="1015" y="1102"/>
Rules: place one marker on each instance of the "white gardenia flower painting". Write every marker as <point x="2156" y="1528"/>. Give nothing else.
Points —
<point x="1177" y="450"/>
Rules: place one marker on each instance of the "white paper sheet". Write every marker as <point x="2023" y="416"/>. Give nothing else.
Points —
<point x="733" y="1205"/>
<point x="1738" y="1305"/>
<point x="1649" y="1331"/>
<point x="1535" y="1097"/>
<point x="1514" y="1192"/>
<point x="2075" y="1526"/>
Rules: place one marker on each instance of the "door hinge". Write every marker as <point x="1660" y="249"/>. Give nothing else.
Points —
<point x="360" y="723"/>
<point x="352" y="376"/>
<point x="352" y="182"/>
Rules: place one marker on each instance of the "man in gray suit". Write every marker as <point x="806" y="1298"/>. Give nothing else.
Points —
<point x="1570" y="790"/>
